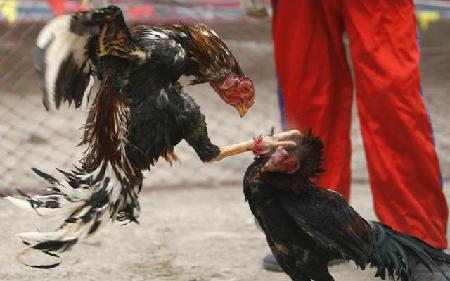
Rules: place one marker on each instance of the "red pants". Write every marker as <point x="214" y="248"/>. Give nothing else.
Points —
<point x="316" y="86"/>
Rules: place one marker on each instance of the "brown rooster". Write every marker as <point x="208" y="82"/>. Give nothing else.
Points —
<point x="138" y="112"/>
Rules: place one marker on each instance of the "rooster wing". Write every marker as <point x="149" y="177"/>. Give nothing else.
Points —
<point x="331" y="222"/>
<point x="69" y="52"/>
<point x="64" y="69"/>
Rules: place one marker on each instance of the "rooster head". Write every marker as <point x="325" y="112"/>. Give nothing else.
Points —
<point x="236" y="91"/>
<point x="283" y="161"/>
<point x="305" y="158"/>
<point x="211" y="61"/>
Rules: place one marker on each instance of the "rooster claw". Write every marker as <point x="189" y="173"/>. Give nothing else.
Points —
<point x="276" y="143"/>
<point x="288" y="135"/>
<point x="259" y="144"/>
<point x="263" y="145"/>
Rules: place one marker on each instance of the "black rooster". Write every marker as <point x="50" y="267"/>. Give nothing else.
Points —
<point x="307" y="226"/>
<point x="138" y="112"/>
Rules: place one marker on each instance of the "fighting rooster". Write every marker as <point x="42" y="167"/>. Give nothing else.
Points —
<point x="307" y="226"/>
<point x="138" y="112"/>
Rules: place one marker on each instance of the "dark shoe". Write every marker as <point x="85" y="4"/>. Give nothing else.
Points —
<point x="270" y="263"/>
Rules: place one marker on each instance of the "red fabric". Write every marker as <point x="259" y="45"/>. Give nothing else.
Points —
<point x="140" y="11"/>
<point x="317" y="88"/>
<point x="58" y="6"/>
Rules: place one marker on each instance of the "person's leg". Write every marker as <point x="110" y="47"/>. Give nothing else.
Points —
<point x="315" y="80"/>
<point x="402" y="161"/>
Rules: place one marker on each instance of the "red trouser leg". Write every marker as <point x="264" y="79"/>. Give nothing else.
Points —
<point x="403" y="166"/>
<point x="315" y="80"/>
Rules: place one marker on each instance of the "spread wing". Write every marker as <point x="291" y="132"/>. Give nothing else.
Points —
<point x="63" y="67"/>
<point x="331" y="222"/>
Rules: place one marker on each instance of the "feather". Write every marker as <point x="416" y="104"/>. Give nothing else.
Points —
<point x="105" y="189"/>
<point x="311" y="155"/>
<point x="62" y="64"/>
<point x="19" y="203"/>
<point x="110" y="197"/>
<point x="330" y="222"/>
<point x="397" y="253"/>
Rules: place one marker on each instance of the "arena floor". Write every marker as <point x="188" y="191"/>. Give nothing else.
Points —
<point x="189" y="234"/>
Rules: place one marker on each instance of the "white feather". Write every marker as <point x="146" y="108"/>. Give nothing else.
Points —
<point x="153" y="34"/>
<point x="60" y="49"/>
<point x="39" y="236"/>
<point x="59" y="43"/>
<point x="114" y="187"/>
<point x="66" y="207"/>
<point x="73" y="203"/>
<point x="54" y="28"/>
<point x="20" y="203"/>
<point x="74" y="194"/>
<point x="93" y="86"/>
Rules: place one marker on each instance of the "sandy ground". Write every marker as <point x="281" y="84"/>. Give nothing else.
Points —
<point x="195" y="234"/>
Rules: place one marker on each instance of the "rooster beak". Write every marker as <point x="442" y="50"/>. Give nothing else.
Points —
<point x="269" y="166"/>
<point x="242" y="109"/>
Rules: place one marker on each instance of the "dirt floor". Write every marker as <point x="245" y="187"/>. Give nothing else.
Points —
<point x="194" y="234"/>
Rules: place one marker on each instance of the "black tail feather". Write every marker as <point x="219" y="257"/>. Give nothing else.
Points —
<point x="86" y="201"/>
<point x="396" y="253"/>
<point x="45" y="176"/>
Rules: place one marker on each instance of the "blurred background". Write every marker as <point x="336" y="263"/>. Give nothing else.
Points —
<point x="32" y="137"/>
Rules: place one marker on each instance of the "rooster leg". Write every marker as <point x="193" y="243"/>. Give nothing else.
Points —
<point x="171" y="157"/>
<point x="281" y="139"/>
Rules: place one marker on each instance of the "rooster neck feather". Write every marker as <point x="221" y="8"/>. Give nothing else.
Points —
<point x="207" y="53"/>
<point x="115" y="39"/>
